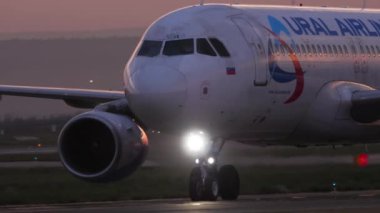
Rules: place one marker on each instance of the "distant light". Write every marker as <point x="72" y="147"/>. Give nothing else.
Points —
<point x="91" y="81"/>
<point x="362" y="160"/>
<point x="39" y="145"/>
<point x="35" y="158"/>
<point x="210" y="160"/>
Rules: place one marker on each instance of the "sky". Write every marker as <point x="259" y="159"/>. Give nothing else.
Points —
<point x="23" y="16"/>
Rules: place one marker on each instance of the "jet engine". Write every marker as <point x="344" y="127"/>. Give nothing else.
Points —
<point x="100" y="146"/>
<point x="339" y="114"/>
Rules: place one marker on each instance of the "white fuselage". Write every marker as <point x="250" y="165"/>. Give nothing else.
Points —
<point x="280" y="83"/>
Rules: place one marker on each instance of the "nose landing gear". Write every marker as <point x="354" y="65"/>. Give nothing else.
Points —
<point x="207" y="182"/>
<point x="203" y="184"/>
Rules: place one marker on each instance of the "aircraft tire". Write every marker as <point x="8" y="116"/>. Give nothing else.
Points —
<point x="211" y="189"/>
<point x="195" y="185"/>
<point x="229" y="182"/>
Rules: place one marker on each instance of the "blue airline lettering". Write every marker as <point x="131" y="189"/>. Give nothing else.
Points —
<point x="351" y="26"/>
<point x="317" y="26"/>
<point x="375" y="25"/>
<point x="344" y="28"/>
<point x="331" y="32"/>
<point x="297" y="31"/>
<point x="370" y="33"/>
<point x="304" y="25"/>
<point x="359" y="28"/>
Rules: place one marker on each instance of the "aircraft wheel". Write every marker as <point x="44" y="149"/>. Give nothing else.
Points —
<point x="211" y="189"/>
<point x="229" y="182"/>
<point x="195" y="185"/>
<point x="200" y="190"/>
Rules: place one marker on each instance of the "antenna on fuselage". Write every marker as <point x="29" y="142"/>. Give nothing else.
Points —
<point x="293" y="2"/>
<point x="202" y="2"/>
<point x="364" y="4"/>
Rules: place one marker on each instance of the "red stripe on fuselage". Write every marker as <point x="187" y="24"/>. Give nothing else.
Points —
<point x="298" y="69"/>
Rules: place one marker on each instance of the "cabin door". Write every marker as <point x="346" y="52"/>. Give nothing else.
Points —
<point x="260" y="58"/>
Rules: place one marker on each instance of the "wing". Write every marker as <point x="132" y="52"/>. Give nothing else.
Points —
<point x="366" y="106"/>
<point x="80" y="98"/>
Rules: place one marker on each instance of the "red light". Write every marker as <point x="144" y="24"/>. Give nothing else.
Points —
<point x="362" y="160"/>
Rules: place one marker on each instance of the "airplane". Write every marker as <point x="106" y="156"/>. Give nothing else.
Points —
<point x="255" y="74"/>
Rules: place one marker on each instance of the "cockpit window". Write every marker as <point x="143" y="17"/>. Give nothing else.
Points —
<point x="204" y="48"/>
<point x="150" y="48"/>
<point x="179" y="47"/>
<point x="220" y="48"/>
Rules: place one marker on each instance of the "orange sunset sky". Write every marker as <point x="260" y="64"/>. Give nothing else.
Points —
<point x="22" y="16"/>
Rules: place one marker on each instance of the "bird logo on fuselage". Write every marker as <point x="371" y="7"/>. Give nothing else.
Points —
<point x="277" y="73"/>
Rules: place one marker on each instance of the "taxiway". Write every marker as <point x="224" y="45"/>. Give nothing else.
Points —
<point x="365" y="201"/>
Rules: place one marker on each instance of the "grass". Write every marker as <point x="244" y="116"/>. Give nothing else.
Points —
<point x="57" y="186"/>
<point x="293" y="179"/>
<point x="48" y="185"/>
<point x="29" y="157"/>
<point x="39" y="185"/>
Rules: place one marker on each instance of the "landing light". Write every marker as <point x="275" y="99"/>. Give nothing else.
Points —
<point x="196" y="143"/>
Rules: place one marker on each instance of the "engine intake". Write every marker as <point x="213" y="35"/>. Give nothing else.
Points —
<point x="100" y="146"/>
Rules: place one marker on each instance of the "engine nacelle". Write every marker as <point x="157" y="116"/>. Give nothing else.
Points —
<point x="100" y="146"/>
<point x="329" y="117"/>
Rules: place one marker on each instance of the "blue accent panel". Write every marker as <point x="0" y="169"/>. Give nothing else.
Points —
<point x="277" y="27"/>
<point x="279" y="75"/>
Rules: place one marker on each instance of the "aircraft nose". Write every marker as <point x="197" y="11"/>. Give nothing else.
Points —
<point x="158" y="94"/>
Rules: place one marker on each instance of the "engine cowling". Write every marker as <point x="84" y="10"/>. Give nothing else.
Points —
<point x="330" y="117"/>
<point x="100" y="146"/>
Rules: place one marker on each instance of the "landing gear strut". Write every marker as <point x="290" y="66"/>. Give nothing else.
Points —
<point x="207" y="182"/>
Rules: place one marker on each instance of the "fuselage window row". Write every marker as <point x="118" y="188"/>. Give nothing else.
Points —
<point x="313" y="50"/>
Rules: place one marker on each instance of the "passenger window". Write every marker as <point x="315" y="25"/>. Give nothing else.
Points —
<point x="319" y="50"/>
<point x="298" y="51"/>
<point x="308" y="49"/>
<point x="293" y="48"/>
<point x="345" y="50"/>
<point x="340" y="50"/>
<point x="150" y="48"/>
<point x="270" y="47"/>
<point x="324" y="50"/>
<point x="219" y="47"/>
<point x="179" y="47"/>
<point x="353" y="49"/>
<point x="277" y="46"/>
<point x="303" y="49"/>
<point x="204" y="48"/>
<point x="368" y="51"/>
<point x="335" y="50"/>
<point x="373" y="51"/>
<point x="362" y="50"/>
<point x="330" y="49"/>
<point x="314" y="50"/>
